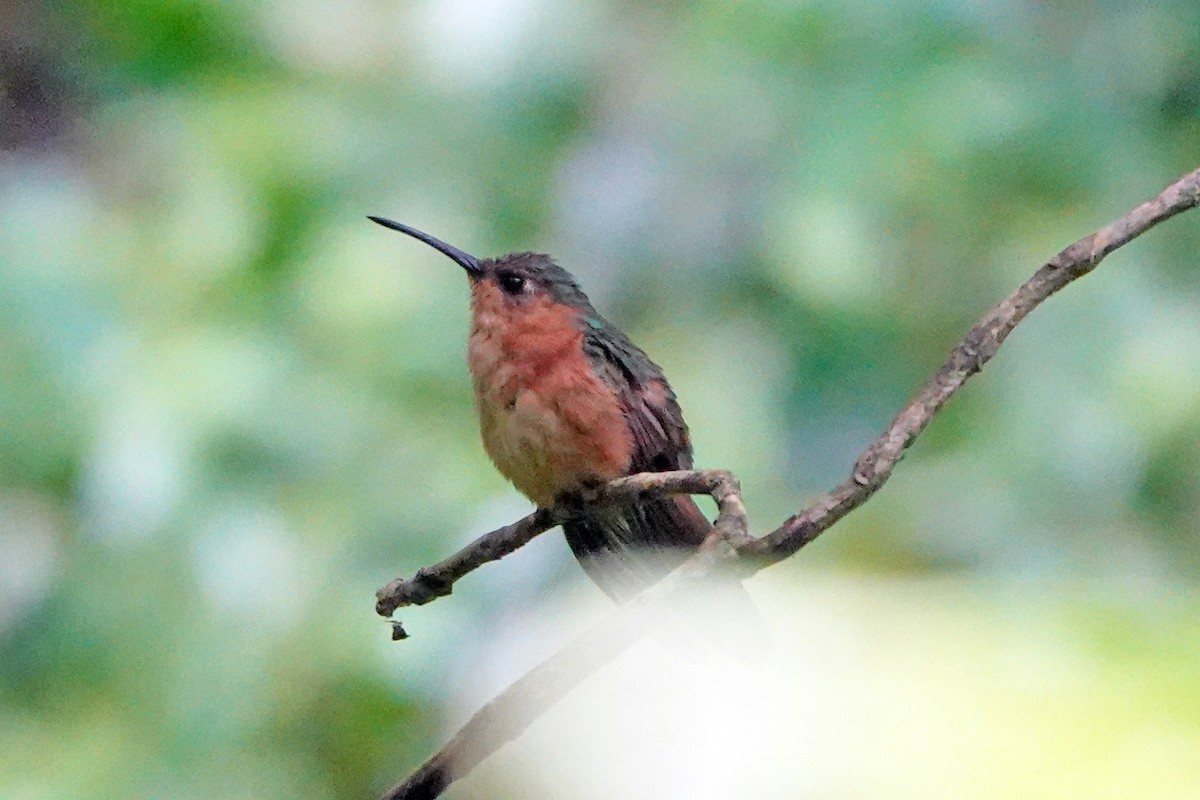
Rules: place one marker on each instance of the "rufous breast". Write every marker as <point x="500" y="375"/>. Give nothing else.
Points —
<point x="548" y="422"/>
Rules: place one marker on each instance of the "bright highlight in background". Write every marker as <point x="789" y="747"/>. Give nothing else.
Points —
<point x="889" y="688"/>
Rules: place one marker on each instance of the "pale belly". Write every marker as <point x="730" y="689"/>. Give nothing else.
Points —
<point x="556" y="437"/>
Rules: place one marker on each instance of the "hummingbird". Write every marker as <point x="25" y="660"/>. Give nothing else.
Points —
<point x="566" y="401"/>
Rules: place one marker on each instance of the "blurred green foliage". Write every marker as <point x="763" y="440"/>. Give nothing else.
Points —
<point x="230" y="407"/>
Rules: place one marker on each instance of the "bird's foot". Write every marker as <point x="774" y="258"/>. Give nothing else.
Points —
<point x="583" y="494"/>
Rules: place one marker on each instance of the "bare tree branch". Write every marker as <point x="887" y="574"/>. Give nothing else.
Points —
<point x="874" y="466"/>
<point x="438" y="580"/>
<point x="532" y="695"/>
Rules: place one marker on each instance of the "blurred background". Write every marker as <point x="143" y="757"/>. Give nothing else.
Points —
<point x="231" y="408"/>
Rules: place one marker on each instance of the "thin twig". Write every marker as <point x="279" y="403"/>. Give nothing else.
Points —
<point x="520" y="704"/>
<point x="438" y="580"/>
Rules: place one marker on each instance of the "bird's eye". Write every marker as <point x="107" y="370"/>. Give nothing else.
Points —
<point x="511" y="283"/>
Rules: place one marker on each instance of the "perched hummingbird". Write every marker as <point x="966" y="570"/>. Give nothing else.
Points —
<point x="565" y="401"/>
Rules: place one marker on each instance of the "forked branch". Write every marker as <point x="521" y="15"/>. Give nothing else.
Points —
<point x="532" y="695"/>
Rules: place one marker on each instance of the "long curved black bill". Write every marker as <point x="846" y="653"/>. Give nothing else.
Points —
<point x="465" y="260"/>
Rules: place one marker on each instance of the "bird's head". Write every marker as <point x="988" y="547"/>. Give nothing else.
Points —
<point x="516" y="282"/>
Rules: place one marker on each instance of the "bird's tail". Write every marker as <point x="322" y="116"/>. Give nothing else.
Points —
<point x="625" y="548"/>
